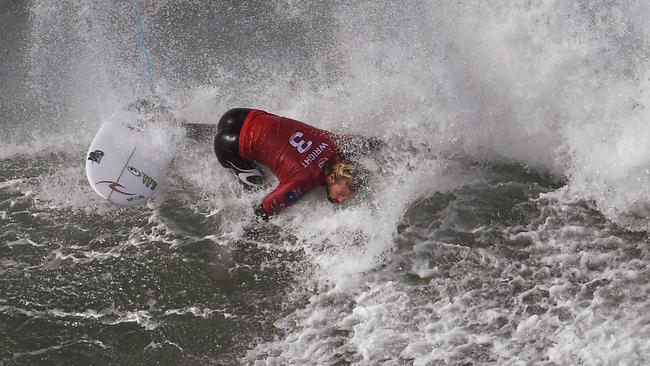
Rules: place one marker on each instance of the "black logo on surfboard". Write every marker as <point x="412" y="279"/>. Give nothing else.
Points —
<point x="146" y="180"/>
<point x="96" y="156"/>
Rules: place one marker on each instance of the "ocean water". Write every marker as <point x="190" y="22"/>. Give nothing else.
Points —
<point x="506" y="222"/>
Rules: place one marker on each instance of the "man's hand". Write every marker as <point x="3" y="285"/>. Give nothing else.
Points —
<point x="259" y="212"/>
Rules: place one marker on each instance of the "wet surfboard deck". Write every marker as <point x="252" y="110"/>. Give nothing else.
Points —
<point x="127" y="165"/>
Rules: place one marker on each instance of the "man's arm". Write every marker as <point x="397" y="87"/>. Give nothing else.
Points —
<point x="285" y="195"/>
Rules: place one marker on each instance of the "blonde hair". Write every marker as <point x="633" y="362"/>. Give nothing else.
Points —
<point x="349" y="170"/>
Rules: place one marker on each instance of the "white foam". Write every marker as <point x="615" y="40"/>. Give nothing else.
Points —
<point x="560" y="87"/>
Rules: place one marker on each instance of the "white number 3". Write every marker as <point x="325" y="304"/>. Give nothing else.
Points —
<point x="299" y="144"/>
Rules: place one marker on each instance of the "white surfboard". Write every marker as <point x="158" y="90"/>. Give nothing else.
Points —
<point x="130" y="155"/>
<point x="127" y="165"/>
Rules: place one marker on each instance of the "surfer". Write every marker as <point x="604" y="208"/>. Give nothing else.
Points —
<point x="303" y="157"/>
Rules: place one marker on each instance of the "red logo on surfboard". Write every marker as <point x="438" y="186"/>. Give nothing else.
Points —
<point x="115" y="187"/>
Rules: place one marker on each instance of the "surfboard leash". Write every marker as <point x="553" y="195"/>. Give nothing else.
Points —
<point x="148" y="65"/>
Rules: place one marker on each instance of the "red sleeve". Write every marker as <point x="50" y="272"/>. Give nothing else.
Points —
<point x="285" y="195"/>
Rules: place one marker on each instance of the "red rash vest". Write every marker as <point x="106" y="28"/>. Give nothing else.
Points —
<point x="296" y="152"/>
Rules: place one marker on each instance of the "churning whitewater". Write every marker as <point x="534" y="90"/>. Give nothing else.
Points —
<point x="505" y="224"/>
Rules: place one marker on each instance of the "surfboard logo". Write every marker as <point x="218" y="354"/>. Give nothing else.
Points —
<point x="115" y="187"/>
<point x="146" y="180"/>
<point x="135" y="198"/>
<point x="134" y="171"/>
<point x="96" y="156"/>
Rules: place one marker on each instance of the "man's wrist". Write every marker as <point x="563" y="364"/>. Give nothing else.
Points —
<point x="259" y="211"/>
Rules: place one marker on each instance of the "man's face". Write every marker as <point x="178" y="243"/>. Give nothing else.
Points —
<point x="337" y="190"/>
